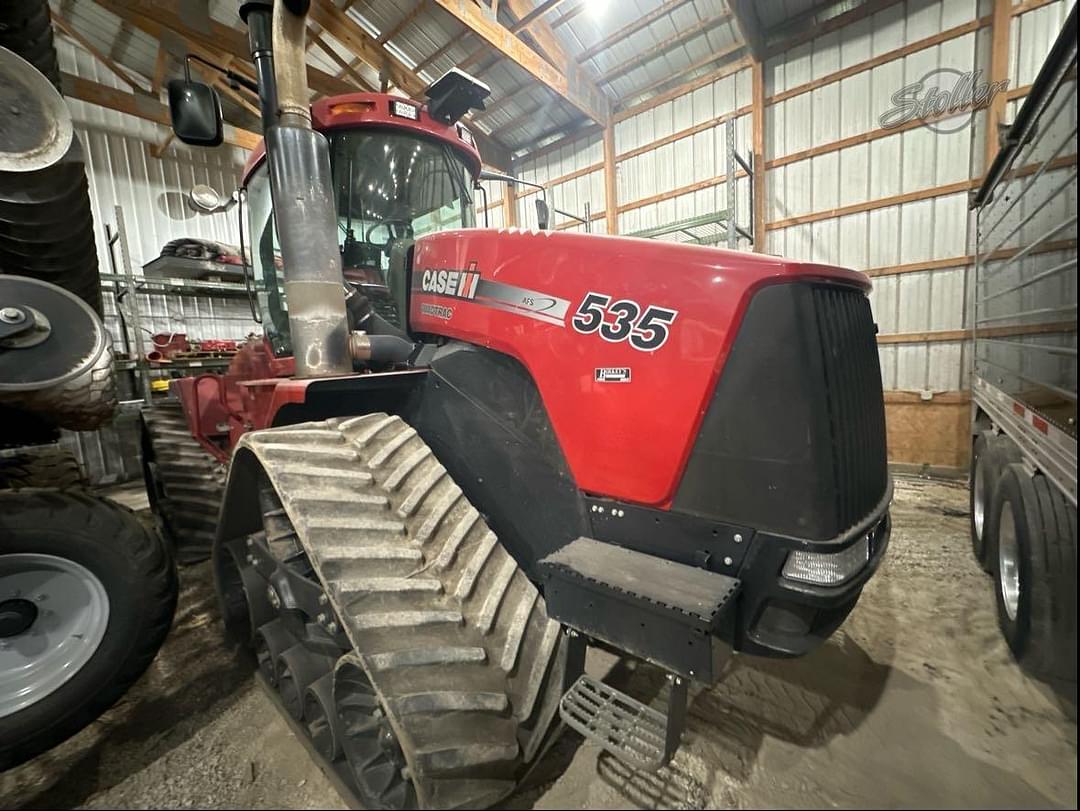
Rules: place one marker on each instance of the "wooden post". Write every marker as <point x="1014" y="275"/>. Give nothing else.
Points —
<point x="611" y="187"/>
<point x="510" y="213"/>
<point x="999" y="71"/>
<point x="757" y="120"/>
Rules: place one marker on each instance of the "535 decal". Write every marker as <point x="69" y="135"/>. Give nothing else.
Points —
<point x="624" y="320"/>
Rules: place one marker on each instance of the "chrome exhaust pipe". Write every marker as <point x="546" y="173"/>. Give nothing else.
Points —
<point x="302" y="187"/>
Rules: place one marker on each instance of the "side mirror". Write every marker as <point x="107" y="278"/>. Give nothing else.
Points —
<point x="208" y="200"/>
<point x="195" y="112"/>
<point x="543" y="215"/>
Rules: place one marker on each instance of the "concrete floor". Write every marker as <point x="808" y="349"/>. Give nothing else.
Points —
<point x="914" y="702"/>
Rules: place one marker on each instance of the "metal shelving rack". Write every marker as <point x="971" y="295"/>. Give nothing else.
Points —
<point x="127" y="283"/>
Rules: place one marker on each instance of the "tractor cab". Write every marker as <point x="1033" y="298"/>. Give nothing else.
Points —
<point x="398" y="174"/>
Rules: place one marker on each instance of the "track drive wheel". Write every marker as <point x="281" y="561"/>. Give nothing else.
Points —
<point x="87" y="595"/>
<point x="429" y="669"/>
<point x="183" y="482"/>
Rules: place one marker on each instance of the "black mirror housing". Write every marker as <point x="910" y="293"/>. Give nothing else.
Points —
<point x="195" y="112"/>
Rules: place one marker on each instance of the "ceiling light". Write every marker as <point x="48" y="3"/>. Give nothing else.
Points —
<point x="597" y="8"/>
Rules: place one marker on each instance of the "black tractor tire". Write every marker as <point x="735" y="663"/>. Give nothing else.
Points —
<point x="42" y="466"/>
<point x="448" y="669"/>
<point x="139" y="580"/>
<point x="990" y="454"/>
<point x="1034" y="567"/>
<point x="56" y="194"/>
<point x="184" y="483"/>
<point x="26" y="29"/>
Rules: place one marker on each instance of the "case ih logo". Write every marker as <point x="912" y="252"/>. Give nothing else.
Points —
<point x="456" y="283"/>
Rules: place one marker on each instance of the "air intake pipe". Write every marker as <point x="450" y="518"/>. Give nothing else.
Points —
<point x="302" y="189"/>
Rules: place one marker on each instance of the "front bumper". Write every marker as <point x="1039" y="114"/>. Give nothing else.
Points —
<point x="776" y="616"/>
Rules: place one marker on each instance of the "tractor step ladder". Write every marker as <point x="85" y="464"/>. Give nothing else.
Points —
<point x="655" y="609"/>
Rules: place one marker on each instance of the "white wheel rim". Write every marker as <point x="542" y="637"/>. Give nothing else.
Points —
<point x="1008" y="562"/>
<point x="66" y="625"/>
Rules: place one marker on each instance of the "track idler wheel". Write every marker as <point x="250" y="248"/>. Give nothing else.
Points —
<point x="272" y="640"/>
<point x="297" y="669"/>
<point x="370" y="743"/>
<point x="323" y="723"/>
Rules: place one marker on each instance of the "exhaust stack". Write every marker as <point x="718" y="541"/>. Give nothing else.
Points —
<point x="304" y="211"/>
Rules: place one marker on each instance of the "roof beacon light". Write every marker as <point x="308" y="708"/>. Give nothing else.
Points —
<point x="454" y="94"/>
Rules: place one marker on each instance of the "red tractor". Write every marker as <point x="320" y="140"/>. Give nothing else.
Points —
<point x="459" y="455"/>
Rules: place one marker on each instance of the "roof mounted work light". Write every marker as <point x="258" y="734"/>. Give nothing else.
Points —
<point x="454" y="94"/>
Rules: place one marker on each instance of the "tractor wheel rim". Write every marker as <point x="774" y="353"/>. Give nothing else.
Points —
<point x="57" y="612"/>
<point x="1008" y="562"/>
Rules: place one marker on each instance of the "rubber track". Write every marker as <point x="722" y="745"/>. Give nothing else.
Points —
<point x="192" y="480"/>
<point x="450" y="631"/>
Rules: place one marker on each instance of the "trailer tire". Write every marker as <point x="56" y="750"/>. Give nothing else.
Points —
<point x="989" y="456"/>
<point x="1032" y="591"/>
<point x="121" y="570"/>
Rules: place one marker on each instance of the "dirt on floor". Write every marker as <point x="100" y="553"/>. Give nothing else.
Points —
<point x="915" y="701"/>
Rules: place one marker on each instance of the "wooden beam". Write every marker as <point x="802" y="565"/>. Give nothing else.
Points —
<point x="686" y="87"/>
<point x="968" y="259"/>
<point x="881" y="59"/>
<point x="701" y="126"/>
<point x="140" y="106"/>
<point x="749" y="25"/>
<point x="569" y="82"/>
<point x="999" y="71"/>
<point x="630" y="29"/>
<point x="873" y="205"/>
<point x="547" y="44"/>
<point x="681" y="37"/>
<point x="570" y="14"/>
<point x="161" y="64"/>
<point x="757" y="123"/>
<point x="404" y="22"/>
<point x="946" y="335"/>
<point x="689" y="188"/>
<point x="157" y="150"/>
<point x="1028" y="5"/>
<point x="861" y="12"/>
<point x="88" y="46"/>
<point x="218" y="41"/>
<point x="534" y="15"/>
<point x="510" y="212"/>
<point x="346" y="68"/>
<point x="611" y="186"/>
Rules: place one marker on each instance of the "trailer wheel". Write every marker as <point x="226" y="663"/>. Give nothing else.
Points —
<point x="1036" y="598"/>
<point x="87" y="596"/>
<point x="990" y="454"/>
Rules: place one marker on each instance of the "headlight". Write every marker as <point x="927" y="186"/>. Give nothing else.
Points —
<point x="827" y="568"/>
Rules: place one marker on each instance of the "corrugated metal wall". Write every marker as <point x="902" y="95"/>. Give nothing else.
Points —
<point x="574" y="175"/>
<point x="123" y="171"/>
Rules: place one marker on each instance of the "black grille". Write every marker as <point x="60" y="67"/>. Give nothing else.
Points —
<point x="854" y="400"/>
<point x="793" y="441"/>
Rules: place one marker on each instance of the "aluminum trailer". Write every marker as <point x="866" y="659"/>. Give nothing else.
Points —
<point x="1023" y="380"/>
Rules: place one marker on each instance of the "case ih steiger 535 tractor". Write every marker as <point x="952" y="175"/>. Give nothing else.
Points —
<point x="87" y="591"/>
<point x="460" y="455"/>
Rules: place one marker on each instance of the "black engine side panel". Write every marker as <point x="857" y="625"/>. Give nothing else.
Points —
<point x="482" y="415"/>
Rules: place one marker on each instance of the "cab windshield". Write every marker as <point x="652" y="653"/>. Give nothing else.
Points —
<point x="389" y="187"/>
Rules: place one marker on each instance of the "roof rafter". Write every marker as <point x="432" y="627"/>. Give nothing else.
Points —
<point x="749" y="25"/>
<point x="629" y="29"/>
<point x="568" y="80"/>
<point x="661" y="48"/>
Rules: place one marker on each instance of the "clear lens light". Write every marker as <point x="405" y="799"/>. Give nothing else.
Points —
<point x="827" y="569"/>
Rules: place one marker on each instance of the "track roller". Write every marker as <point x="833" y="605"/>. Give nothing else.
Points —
<point x="297" y="669"/>
<point x="323" y="723"/>
<point x="272" y="640"/>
